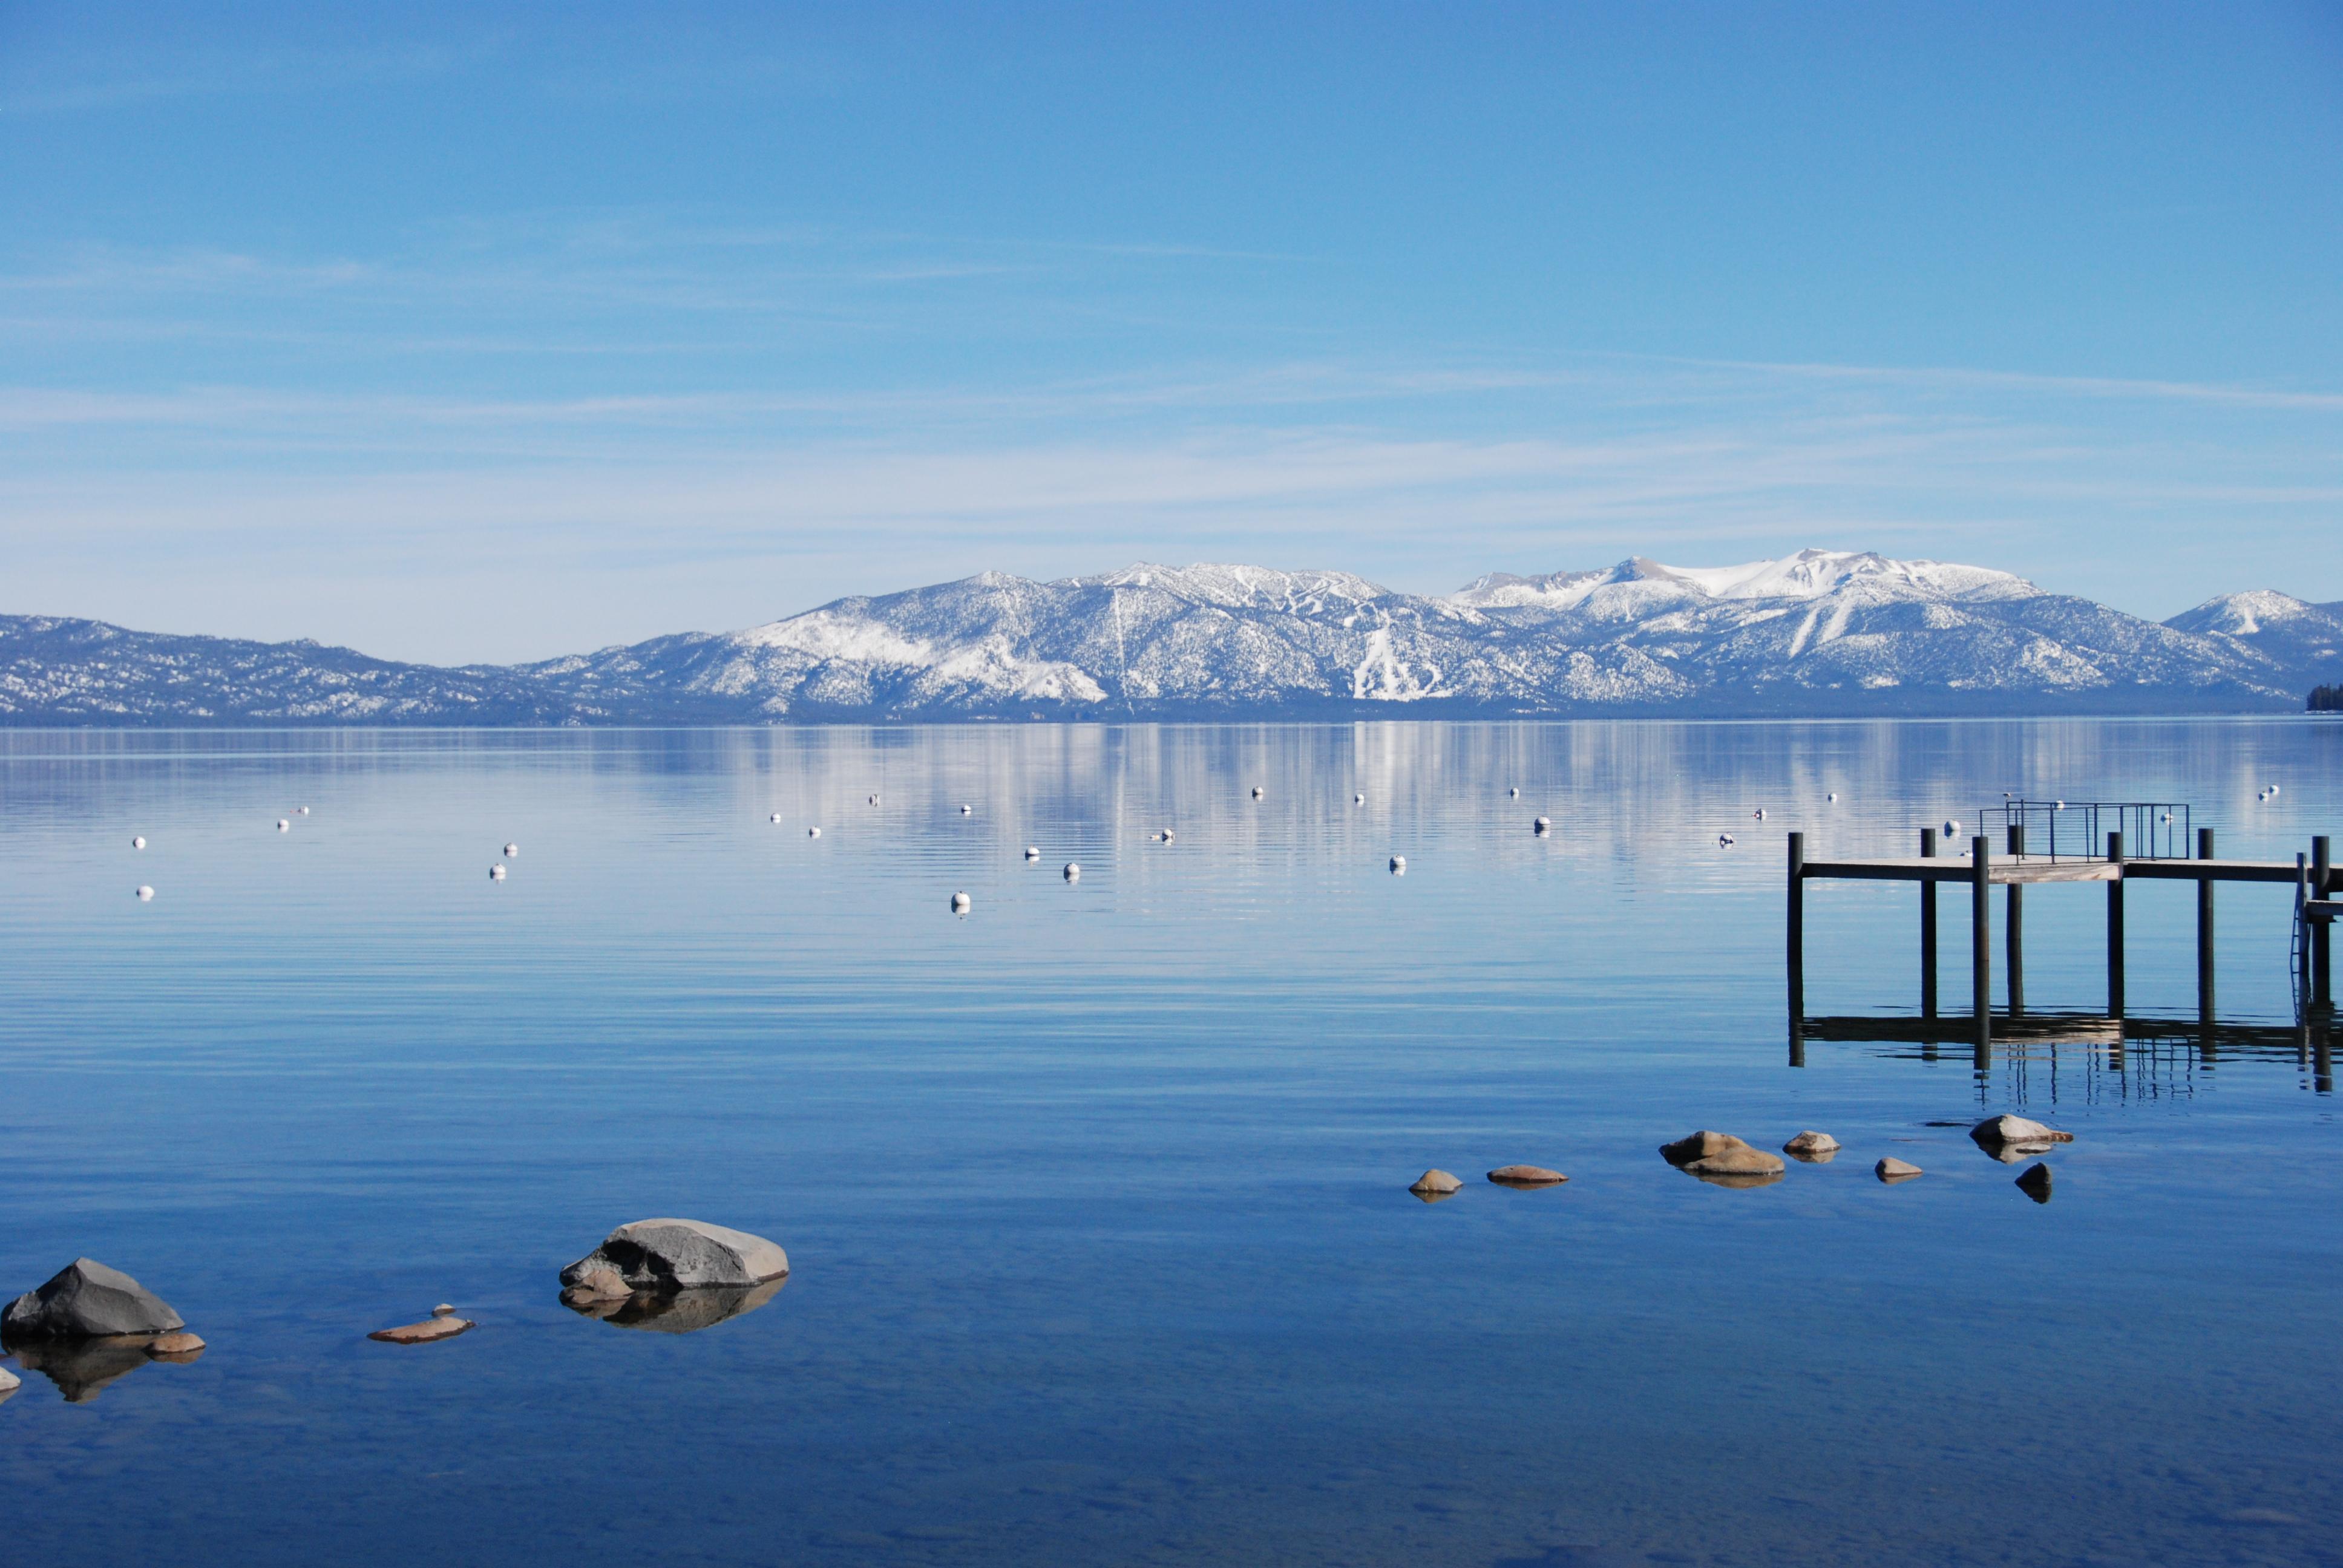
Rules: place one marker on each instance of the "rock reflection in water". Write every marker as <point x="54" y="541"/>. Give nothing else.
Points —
<point x="675" y="1312"/>
<point x="83" y="1368"/>
<point x="1736" y="1179"/>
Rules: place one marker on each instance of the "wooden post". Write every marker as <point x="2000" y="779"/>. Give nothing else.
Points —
<point x="1927" y="929"/>
<point x="2115" y="931"/>
<point x="1797" y="934"/>
<point x="2205" y="932"/>
<point x="2016" y="911"/>
<point x="1981" y="947"/>
<point x="2322" y="960"/>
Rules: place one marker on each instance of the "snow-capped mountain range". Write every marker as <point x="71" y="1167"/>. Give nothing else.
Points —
<point x="1820" y="632"/>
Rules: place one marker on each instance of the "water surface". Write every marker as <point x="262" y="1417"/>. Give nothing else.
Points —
<point x="1096" y="1197"/>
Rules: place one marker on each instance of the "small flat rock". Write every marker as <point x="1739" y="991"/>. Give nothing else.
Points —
<point x="1436" y="1181"/>
<point x="1894" y="1170"/>
<point x="681" y="1254"/>
<point x="9" y="1383"/>
<point x="1811" y="1147"/>
<point x="173" y="1345"/>
<point x="422" y="1334"/>
<point x="1525" y="1176"/>
<point x="85" y="1299"/>
<point x="2035" y="1181"/>
<point x="2000" y="1129"/>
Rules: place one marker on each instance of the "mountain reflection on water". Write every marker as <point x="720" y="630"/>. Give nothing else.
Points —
<point x="1098" y="1195"/>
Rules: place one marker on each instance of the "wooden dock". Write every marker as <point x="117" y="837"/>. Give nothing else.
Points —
<point x="2314" y="877"/>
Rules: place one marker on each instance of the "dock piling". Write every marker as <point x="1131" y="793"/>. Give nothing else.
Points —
<point x="1797" y="941"/>
<point x="2017" y="917"/>
<point x="1927" y="929"/>
<point x="2205" y="930"/>
<point x="2322" y="964"/>
<point x="2115" y="931"/>
<point x="1981" y="947"/>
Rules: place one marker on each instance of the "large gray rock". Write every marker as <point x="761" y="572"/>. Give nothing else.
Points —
<point x="681" y="1254"/>
<point x="85" y="1300"/>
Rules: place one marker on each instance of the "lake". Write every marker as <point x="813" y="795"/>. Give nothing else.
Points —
<point x="1096" y="1197"/>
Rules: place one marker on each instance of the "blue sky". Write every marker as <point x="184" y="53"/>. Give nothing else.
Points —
<point x="486" y="332"/>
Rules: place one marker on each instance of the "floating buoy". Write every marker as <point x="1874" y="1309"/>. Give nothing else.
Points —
<point x="300" y="811"/>
<point x="1358" y="800"/>
<point x="874" y="800"/>
<point x="775" y="818"/>
<point x="1542" y="824"/>
<point x="813" y="833"/>
<point x="1832" y="796"/>
<point x="496" y="873"/>
<point x="1399" y="863"/>
<point x="2273" y="791"/>
<point x="1165" y="836"/>
<point x="964" y="810"/>
<point x="511" y="850"/>
<point x="138" y="843"/>
<point x="1952" y="830"/>
<point x="1031" y="853"/>
<point x="1256" y="792"/>
<point x="2168" y="816"/>
<point x="282" y="826"/>
<point x="1073" y="870"/>
<point x="146" y="895"/>
<point x="1759" y="814"/>
<point x="2058" y="805"/>
<point x="959" y="903"/>
<point x="1724" y="840"/>
<point x="1513" y="794"/>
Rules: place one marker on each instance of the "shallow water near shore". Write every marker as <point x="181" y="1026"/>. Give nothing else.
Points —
<point x="1096" y="1197"/>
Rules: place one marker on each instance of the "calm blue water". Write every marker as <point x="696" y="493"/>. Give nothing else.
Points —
<point x="1096" y="1197"/>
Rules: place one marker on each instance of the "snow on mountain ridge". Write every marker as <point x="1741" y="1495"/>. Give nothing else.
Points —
<point x="1807" y="574"/>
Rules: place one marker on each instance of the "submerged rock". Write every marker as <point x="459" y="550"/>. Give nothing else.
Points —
<point x="83" y="1368"/>
<point x="424" y="1332"/>
<point x="1814" y="1148"/>
<point x="676" y="1312"/>
<point x="1707" y="1154"/>
<point x="598" y="1285"/>
<point x="2035" y="1181"/>
<point x="175" y="1347"/>
<point x="1439" y="1181"/>
<point x="681" y="1254"/>
<point x="1525" y="1176"/>
<point x="1894" y="1170"/>
<point x="85" y="1299"/>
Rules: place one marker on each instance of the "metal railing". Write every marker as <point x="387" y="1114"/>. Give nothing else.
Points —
<point x="2078" y="829"/>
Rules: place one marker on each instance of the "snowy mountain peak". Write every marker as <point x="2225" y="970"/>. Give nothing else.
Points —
<point x="1231" y="586"/>
<point x="2246" y="614"/>
<point x="1807" y="574"/>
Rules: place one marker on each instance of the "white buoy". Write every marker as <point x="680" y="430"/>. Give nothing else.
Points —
<point x="300" y="811"/>
<point x="2058" y="805"/>
<point x="1256" y="792"/>
<point x="775" y="818"/>
<point x="964" y="810"/>
<point x="1513" y="794"/>
<point x="2273" y="791"/>
<point x="1073" y="870"/>
<point x="282" y="826"/>
<point x="1399" y="862"/>
<point x="959" y="903"/>
<point x="138" y="843"/>
<point x="1165" y="836"/>
<point x="146" y="895"/>
<point x="1759" y="814"/>
<point x="1951" y="829"/>
<point x="874" y="800"/>
<point x="1358" y="800"/>
<point x="1832" y="795"/>
<point x="2168" y="816"/>
<point x="1031" y="853"/>
<point x="511" y="850"/>
<point x="813" y="833"/>
<point x="1726" y="840"/>
<point x="1543" y="824"/>
<point x="496" y="873"/>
